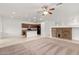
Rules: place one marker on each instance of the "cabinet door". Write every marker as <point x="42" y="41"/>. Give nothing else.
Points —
<point x="59" y="32"/>
<point x="53" y="32"/>
<point x="67" y="33"/>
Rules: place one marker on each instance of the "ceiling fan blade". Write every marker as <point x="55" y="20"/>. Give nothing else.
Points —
<point x="58" y="4"/>
<point x="52" y="9"/>
<point x="50" y="12"/>
<point x="45" y="7"/>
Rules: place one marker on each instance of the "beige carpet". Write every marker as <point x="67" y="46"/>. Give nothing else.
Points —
<point x="41" y="46"/>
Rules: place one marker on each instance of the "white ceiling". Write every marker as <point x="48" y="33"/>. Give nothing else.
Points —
<point x="29" y="10"/>
<point x="21" y="10"/>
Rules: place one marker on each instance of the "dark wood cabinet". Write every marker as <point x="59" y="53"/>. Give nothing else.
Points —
<point x="31" y="27"/>
<point x="65" y="33"/>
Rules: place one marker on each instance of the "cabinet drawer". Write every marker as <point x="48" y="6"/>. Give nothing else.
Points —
<point x="67" y="29"/>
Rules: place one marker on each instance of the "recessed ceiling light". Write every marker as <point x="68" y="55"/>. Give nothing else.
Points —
<point x="34" y="17"/>
<point x="13" y="12"/>
<point x="40" y="19"/>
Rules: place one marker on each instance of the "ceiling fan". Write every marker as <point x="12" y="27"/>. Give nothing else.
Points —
<point x="46" y="9"/>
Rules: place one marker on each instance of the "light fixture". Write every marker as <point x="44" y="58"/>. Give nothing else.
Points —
<point x="13" y="12"/>
<point x="45" y="13"/>
<point x="47" y="9"/>
<point x="34" y="17"/>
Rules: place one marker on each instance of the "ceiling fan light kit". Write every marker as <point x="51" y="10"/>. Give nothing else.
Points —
<point x="46" y="9"/>
<point x="45" y="13"/>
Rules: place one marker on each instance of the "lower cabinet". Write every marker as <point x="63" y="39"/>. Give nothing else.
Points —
<point x="65" y="33"/>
